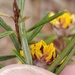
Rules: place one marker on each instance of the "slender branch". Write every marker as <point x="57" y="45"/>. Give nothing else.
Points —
<point x="16" y="18"/>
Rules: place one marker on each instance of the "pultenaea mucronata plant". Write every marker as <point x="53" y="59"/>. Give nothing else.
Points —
<point x="36" y="52"/>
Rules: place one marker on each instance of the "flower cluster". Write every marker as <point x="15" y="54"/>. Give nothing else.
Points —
<point x="41" y="49"/>
<point x="63" y="21"/>
<point x="41" y="52"/>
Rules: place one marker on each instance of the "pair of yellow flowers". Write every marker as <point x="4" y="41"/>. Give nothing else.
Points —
<point x="41" y="49"/>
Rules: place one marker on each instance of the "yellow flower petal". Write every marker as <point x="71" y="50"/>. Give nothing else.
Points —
<point x="63" y="21"/>
<point x="38" y="54"/>
<point x="21" y="52"/>
<point x="49" y="50"/>
<point x="19" y="62"/>
<point x="45" y="51"/>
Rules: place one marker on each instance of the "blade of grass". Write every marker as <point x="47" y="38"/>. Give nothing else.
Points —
<point x="37" y="30"/>
<point x="5" y="34"/>
<point x="46" y="20"/>
<point x="66" y="61"/>
<point x="65" y="51"/>
<point x="12" y="36"/>
<point x="19" y="56"/>
<point x="2" y="58"/>
<point x="52" y="38"/>
<point x="23" y="35"/>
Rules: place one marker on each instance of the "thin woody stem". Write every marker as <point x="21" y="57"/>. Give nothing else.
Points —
<point x="16" y="18"/>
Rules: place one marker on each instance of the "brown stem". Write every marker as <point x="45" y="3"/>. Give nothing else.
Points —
<point x="16" y="18"/>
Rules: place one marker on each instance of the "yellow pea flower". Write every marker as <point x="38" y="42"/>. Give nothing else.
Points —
<point x="64" y="21"/>
<point x="40" y="50"/>
<point x="21" y="52"/>
<point x="36" y="49"/>
<point x="53" y="22"/>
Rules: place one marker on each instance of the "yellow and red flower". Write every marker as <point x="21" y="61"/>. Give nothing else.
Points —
<point x="64" y="21"/>
<point x="41" y="52"/>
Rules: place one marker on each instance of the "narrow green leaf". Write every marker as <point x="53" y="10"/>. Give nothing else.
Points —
<point x="66" y="39"/>
<point x="41" y="34"/>
<point x="34" y="33"/>
<point x="19" y="56"/>
<point x="51" y="39"/>
<point x="25" y="46"/>
<point x="12" y="36"/>
<point x="46" y="20"/>
<point x="37" y="30"/>
<point x="61" y="56"/>
<point x="44" y="35"/>
<point x="23" y="35"/>
<point x="71" y="35"/>
<point x="72" y="29"/>
<point x="21" y="4"/>
<point x="5" y="34"/>
<point x="2" y="58"/>
<point x="66" y="61"/>
<point x="4" y="25"/>
<point x="1" y="66"/>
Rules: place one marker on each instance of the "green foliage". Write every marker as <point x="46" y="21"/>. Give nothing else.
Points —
<point x="1" y="66"/>
<point x="66" y="61"/>
<point x="66" y="39"/>
<point x="51" y="39"/>
<point x="2" y="58"/>
<point x="26" y="39"/>
<point x="12" y="36"/>
<point x="42" y="22"/>
<point x="62" y="55"/>
<point x="72" y="29"/>
<point x="37" y="30"/>
<point x="44" y="35"/>
<point x="19" y="56"/>
<point x="23" y="35"/>
<point x="5" y="34"/>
